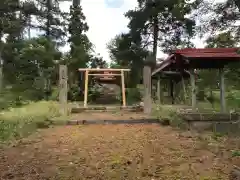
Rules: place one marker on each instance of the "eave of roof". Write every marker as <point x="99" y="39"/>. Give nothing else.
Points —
<point x="202" y="55"/>
<point x="164" y="64"/>
<point x="211" y="55"/>
<point x="206" y="50"/>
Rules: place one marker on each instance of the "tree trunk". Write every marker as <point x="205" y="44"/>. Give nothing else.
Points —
<point x="76" y="3"/>
<point x="1" y="71"/>
<point x="49" y="8"/>
<point x="237" y="2"/>
<point x="155" y="36"/>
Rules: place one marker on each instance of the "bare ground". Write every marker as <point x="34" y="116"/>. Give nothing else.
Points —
<point x="104" y="152"/>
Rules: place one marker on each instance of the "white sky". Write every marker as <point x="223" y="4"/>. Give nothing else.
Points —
<point x="105" y="22"/>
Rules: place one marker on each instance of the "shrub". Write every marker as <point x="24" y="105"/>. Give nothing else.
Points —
<point x="201" y="95"/>
<point x="233" y="99"/>
<point x="133" y="95"/>
<point x="166" y="113"/>
<point x="74" y="93"/>
<point x="10" y="99"/>
<point x="94" y="93"/>
<point x="55" y="94"/>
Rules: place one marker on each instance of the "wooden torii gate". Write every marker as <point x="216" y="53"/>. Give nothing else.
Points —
<point x="103" y="74"/>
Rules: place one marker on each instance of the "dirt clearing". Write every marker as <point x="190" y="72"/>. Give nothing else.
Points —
<point x="106" y="152"/>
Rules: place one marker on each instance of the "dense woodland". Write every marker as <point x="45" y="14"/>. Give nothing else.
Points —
<point x="30" y="64"/>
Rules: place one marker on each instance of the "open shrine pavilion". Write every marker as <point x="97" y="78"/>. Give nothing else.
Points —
<point x="183" y="63"/>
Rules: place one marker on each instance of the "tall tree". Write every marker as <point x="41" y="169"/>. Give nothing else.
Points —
<point x="220" y="17"/>
<point x="27" y="60"/>
<point x="81" y="47"/>
<point x="222" y="40"/>
<point x="128" y="53"/>
<point x="79" y="42"/>
<point x="97" y="62"/>
<point x="162" y="22"/>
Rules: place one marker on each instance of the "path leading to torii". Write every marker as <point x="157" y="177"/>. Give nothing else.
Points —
<point x="106" y="152"/>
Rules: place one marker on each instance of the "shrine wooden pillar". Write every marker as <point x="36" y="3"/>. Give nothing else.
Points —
<point x="1" y="77"/>
<point x="172" y="90"/>
<point x="159" y="89"/>
<point x="184" y="89"/>
<point x="222" y="91"/>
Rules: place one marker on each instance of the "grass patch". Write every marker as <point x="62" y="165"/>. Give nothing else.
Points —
<point x="16" y="123"/>
<point x="9" y="99"/>
<point x="236" y="153"/>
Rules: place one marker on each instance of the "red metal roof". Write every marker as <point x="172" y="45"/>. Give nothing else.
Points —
<point x="209" y="53"/>
<point x="206" y="50"/>
<point x="200" y="58"/>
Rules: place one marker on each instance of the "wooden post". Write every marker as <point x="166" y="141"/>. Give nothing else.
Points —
<point x="63" y="89"/>
<point x="193" y="89"/>
<point x="123" y="89"/>
<point x="159" y="90"/>
<point x="1" y="72"/>
<point x="172" y="90"/>
<point x="184" y="90"/>
<point x="222" y="91"/>
<point x="147" y="89"/>
<point x="1" y="78"/>
<point x="86" y="89"/>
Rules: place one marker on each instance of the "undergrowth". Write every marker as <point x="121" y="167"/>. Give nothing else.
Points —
<point x="16" y="123"/>
<point x="167" y="114"/>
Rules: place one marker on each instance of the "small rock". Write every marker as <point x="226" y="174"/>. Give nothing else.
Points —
<point x="8" y="176"/>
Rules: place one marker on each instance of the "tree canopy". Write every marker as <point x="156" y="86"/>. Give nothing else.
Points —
<point x="30" y="63"/>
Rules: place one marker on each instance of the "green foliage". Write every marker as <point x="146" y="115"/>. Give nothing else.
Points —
<point x="133" y="95"/>
<point x="125" y="52"/>
<point x="9" y="99"/>
<point x="18" y="122"/>
<point x="79" y="42"/>
<point x="232" y="71"/>
<point x="98" y="62"/>
<point x="217" y="135"/>
<point x="55" y="94"/>
<point x="166" y="22"/>
<point x="201" y="95"/>
<point x="226" y="40"/>
<point x="152" y="25"/>
<point x="233" y="99"/>
<point x="222" y="17"/>
<point x="80" y="55"/>
<point x="94" y="93"/>
<point x="31" y="70"/>
<point x="74" y="93"/>
<point x="222" y="40"/>
<point x="236" y="153"/>
<point x="168" y="113"/>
